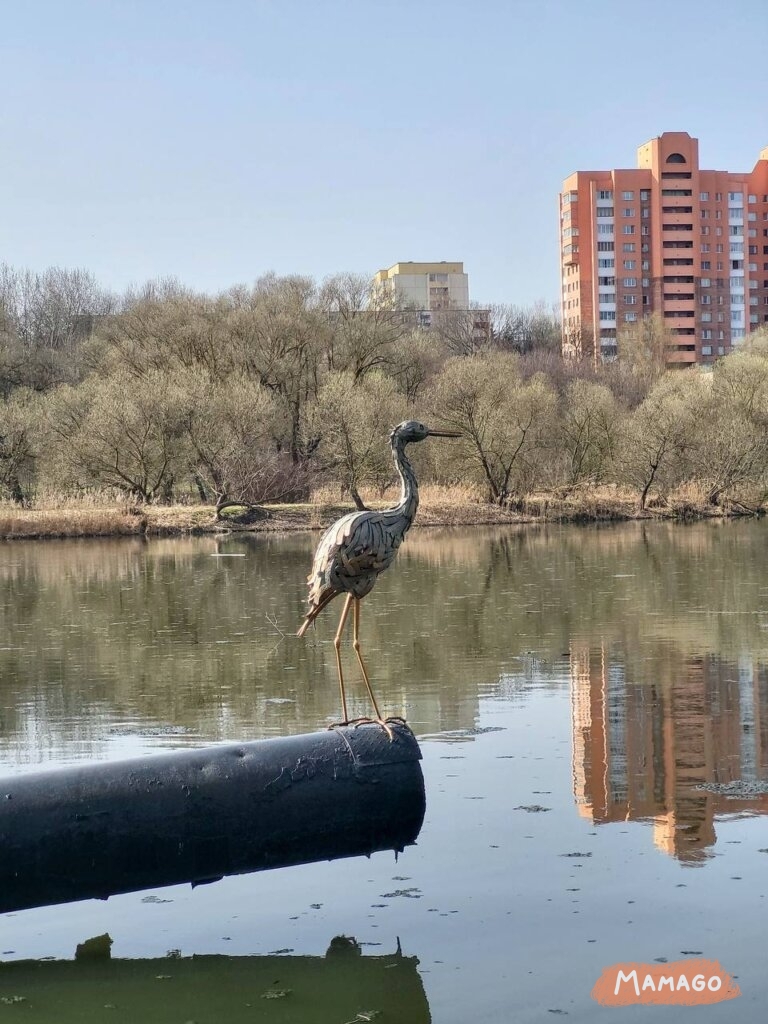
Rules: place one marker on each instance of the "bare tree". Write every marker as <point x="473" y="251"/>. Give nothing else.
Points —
<point x="526" y="328"/>
<point x="109" y="432"/>
<point x="588" y="433"/>
<point x="19" y="416"/>
<point x="354" y="420"/>
<point x="504" y="420"/>
<point x="365" y="325"/>
<point x="659" y="436"/>
<point x="643" y="346"/>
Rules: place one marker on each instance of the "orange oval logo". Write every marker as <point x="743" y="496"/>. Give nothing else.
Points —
<point x="681" y="983"/>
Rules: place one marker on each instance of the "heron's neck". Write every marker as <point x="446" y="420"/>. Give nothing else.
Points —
<point x="409" y="491"/>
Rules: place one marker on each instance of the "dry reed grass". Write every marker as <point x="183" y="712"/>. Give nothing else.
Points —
<point x="94" y="515"/>
<point x="17" y="523"/>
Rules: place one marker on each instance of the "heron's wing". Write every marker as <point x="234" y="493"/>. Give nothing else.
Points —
<point x="370" y="546"/>
<point x="332" y="540"/>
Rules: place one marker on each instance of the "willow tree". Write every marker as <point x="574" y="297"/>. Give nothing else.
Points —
<point x="506" y="423"/>
<point x="659" y="437"/>
<point x="108" y="432"/>
<point x="354" y="420"/>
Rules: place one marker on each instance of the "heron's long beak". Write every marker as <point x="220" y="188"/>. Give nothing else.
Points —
<point x="443" y="433"/>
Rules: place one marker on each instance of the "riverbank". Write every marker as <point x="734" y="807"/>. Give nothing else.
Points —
<point x="87" y="520"/>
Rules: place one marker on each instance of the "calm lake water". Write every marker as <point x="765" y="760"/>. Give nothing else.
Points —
<point x="572" y="690"/>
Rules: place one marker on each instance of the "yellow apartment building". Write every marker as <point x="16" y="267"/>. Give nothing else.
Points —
<point x="425" y="286"/>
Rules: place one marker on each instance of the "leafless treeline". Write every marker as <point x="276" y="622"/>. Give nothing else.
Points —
<point x="258" y="392"/>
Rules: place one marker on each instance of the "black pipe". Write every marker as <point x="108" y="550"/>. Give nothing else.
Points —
<point x="95" y="830"/>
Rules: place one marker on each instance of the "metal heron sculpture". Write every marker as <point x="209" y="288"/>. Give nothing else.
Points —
<point x="360" y="546"/>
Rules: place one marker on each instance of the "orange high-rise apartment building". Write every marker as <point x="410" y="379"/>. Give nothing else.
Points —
<point x="670" y="239"/>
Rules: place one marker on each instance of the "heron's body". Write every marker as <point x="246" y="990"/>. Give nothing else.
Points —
<point x="360" y="546"/>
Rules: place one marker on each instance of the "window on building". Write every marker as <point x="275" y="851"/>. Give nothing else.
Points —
<point x="605" y="246"/>
<point x="627" y="195"/>
<point x="628" y="247"/>
<point x="630" y="318"/>
<point x="645" y="195"/>
<point x="630" y="300"/>
<point x="604" y="211"/>
<point x="629" y="264"/>
<point x="628" y="229"/>
<point x="629" y="211"/>
<point x="604" y="193"/>
<point x="704" y="197"/>
<point x="630" y="282"/>
<point x="705" y="265"/>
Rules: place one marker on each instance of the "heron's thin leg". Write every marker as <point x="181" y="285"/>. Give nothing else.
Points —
<point x="337" y="645"/>
<point x="356" y="645"/>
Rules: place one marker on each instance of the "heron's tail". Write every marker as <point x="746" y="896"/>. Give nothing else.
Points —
<point x="323" y="599"/>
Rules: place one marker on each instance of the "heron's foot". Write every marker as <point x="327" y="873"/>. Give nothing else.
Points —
<point x="398" y="720"/>
<point x="339" y="725"/>
<point x="375" y="721"/>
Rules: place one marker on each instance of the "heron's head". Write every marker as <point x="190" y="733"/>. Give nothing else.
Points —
<point x="413" y="430"/>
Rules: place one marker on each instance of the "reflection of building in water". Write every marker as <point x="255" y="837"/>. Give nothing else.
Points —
<point x="641" y="750"/>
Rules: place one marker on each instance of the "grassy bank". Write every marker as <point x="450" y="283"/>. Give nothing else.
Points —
<point x="439" y="507"/>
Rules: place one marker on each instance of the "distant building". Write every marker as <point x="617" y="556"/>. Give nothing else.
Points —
<point x="437" y="295"/>
<point x="426" y="286"/>
<point x="666" y="238"/>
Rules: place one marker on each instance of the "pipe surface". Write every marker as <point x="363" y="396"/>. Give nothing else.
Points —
<point x="95" y="830"/>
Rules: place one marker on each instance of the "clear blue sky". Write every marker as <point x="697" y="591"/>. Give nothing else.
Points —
<point x="215" y="140"/>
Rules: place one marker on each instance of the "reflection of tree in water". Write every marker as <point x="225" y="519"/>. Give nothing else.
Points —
<point x="160" y="638"/>
<point x="643" y="751"/>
